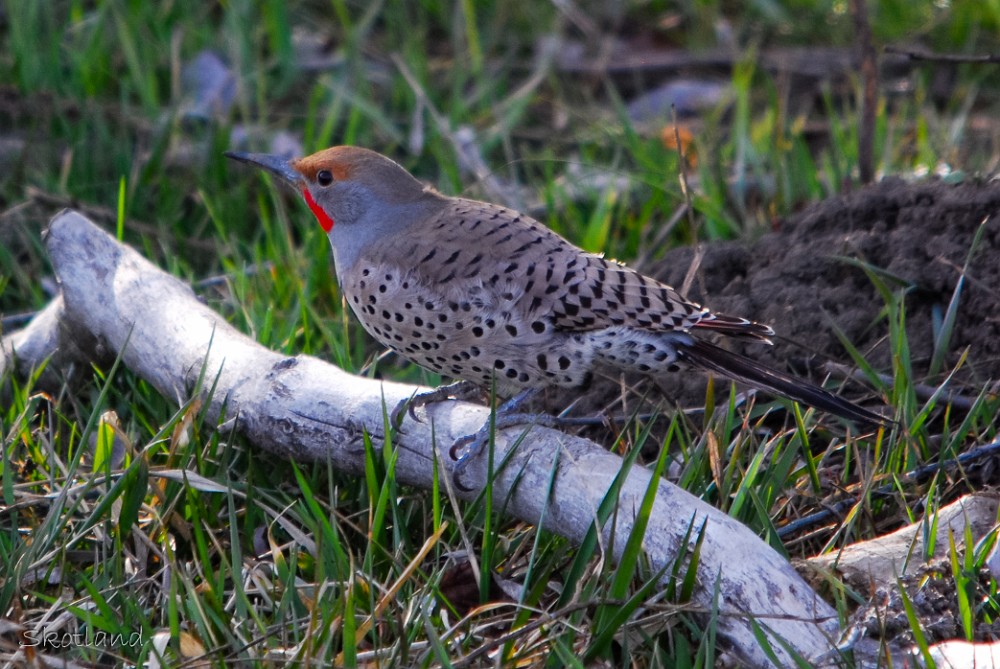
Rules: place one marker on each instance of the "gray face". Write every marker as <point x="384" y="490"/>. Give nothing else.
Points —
<point x="365" y="200"/>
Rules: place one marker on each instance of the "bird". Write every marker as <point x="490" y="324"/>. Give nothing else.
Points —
<point x="486" y="295"/>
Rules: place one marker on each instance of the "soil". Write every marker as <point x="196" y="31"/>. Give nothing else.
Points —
<point x="805" y="279"/>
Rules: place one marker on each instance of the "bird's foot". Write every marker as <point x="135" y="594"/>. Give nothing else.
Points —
<point x="465" y="449"/>
<point x="460" y="390"/>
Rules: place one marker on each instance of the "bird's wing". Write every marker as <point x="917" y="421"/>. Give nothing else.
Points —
<point x="495" y="255"/>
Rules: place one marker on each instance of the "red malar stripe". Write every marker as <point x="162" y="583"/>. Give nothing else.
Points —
<point x="321" y="216"/>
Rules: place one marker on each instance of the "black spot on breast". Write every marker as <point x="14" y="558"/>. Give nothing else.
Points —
<point x="543" y="362"/>
<point x="499" y="364"/>
<point x="477" y="331"/>
<point x="538" y="327"/>
<point x="511" y="373"/>
<point x="511" y="330"/>
<point x="564" y="362"/>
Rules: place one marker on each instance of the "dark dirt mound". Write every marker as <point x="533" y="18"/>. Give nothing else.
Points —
<point x="796" y="279"/>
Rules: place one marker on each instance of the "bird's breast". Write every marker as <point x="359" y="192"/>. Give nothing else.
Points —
<point x="470" y="330"/>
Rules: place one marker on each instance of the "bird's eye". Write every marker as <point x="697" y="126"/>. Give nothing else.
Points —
<point x="324" y="177"/>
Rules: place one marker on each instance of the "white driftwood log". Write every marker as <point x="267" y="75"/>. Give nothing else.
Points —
<point x="306" y="409"/>
<point x="881" y="561"/>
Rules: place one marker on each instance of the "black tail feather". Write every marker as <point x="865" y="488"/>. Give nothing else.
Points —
<point x="740" y="368"/>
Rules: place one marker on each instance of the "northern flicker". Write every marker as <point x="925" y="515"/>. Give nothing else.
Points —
<point x="481" y="293"/>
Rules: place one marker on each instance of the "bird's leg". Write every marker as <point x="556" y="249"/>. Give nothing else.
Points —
<point x="467" y="448"/>
<point x="514" y="404"/>
<point x="460" y="390"/>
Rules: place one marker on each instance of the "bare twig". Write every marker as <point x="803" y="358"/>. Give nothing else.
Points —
<point x="834" y="510"/>
<point x="923" y="391"/>
<point x="869" y="84"/>
<point x="921" y="54"/>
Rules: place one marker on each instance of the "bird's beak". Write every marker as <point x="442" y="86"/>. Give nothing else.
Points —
<point x="276" y="165"/>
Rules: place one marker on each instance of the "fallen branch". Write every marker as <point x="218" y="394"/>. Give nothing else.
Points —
<point x="303" y="408"/>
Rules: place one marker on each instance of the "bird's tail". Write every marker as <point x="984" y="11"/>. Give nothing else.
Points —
<point x="740" y="368"/>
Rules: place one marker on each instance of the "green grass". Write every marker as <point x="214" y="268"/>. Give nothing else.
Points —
<point x="255" y="560"/>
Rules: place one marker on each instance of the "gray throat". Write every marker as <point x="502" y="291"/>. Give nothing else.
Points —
<point x="360" y="238"/>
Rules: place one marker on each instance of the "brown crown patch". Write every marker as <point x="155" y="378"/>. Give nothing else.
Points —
<point x="333" y="159"/>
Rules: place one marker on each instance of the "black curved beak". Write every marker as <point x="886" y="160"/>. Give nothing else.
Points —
<point x="276" y="165"/>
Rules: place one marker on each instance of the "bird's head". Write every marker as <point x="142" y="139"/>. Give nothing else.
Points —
<point x="343" y="185"/>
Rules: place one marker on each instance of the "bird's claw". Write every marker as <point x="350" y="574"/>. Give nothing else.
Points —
<point x="473" y="444"/>
<point x="461" y="390"/>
